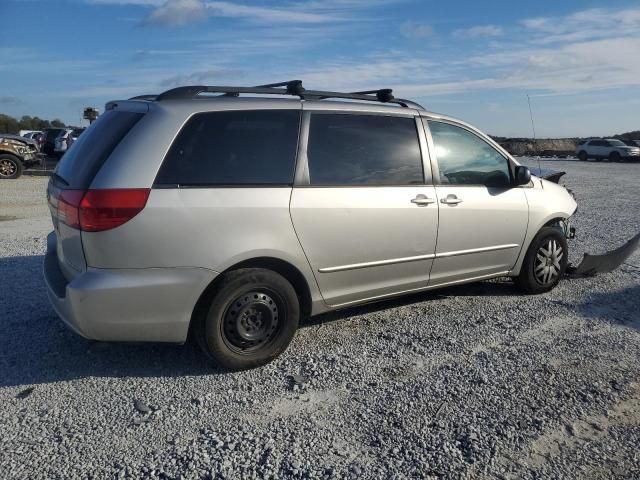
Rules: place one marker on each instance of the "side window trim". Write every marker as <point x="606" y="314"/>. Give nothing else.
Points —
<point x="302" y="178"/>
<point x="434" y="156"/>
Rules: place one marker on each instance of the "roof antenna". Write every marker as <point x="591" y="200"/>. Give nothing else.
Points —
<point x="533" y="127"/>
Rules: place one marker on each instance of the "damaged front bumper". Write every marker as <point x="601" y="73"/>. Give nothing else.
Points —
<point x="605" y="263"/>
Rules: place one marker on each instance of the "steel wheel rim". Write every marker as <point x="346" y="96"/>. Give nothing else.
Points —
<point x="252" y="321"/>
<point x="7" y="168"/>
<point x="546" y="267"/>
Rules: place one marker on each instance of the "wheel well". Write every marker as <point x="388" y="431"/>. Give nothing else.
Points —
<point x="288" y="271"/>
<point x="554" y="222"/>
<point x="558" y="222"/>
<point x="10" y="154"/>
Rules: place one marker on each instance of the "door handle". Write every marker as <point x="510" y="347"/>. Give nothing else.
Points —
<point x="451" y="199"/>
<point x="422" y="200"/>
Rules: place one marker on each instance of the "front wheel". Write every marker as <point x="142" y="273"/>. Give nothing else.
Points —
<point x="252" y="318"/>
<point x="545" y="262"/>
<point x="10" y="166"/>
<point x="583" y="156"/>
<point x="615" y="157"/>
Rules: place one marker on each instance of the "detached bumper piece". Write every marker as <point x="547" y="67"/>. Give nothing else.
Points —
<point x="605" y="263"/>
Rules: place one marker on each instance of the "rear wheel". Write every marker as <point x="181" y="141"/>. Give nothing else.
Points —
<point x="545" y="261"/>
<point x="252" y="318"/>
<point x="10" y="166"/>
<point x="582" y="156"/>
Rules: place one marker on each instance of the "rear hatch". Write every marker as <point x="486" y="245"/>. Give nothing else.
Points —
<point x="70" y="183"/>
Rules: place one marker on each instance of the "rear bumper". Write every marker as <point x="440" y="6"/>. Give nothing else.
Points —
<point x="151" y="304"/>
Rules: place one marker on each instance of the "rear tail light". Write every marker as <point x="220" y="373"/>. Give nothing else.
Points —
<point x="68" y="203"/>
<point x="101" y="209"/>
<point x="109" y="208"/>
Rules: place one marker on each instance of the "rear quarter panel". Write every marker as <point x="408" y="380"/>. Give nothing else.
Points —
<point x="213" y="228"/>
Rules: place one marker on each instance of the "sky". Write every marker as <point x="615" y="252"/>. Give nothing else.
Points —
<point x="578" y="60"/>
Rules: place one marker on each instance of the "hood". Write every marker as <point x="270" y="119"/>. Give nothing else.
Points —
<point x="18" y="138"/>
<point x="547" y="174"/>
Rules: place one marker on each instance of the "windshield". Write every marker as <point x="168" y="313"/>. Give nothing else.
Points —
<point x="616" y="143"/>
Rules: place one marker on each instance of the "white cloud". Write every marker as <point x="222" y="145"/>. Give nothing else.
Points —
<point x="154" y="3"/>
<point x="584" y="25"/>
<point x="178" y="12"/>
<point x="479" y="31"/>
<point x="266" y="14"/>
<point x="416" y="30"/>
<point x="181" y="12"/>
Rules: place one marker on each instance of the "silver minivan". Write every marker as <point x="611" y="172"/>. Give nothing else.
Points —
<point x="231" y="213"/>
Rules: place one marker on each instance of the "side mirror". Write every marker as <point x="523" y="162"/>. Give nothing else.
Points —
<point x="523" y="175"/>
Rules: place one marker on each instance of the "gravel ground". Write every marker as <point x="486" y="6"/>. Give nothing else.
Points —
<point x="476" y="381"/>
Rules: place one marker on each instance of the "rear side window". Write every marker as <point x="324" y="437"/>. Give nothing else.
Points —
<point x="254" y="147"/>
<point x="81" y="162"/>
<point x="351" y="149"/>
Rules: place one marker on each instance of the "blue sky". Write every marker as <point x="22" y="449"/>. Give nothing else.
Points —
<point x="579" y="60"/>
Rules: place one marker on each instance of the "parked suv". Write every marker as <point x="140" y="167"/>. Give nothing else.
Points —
<point x="50" y="135"/>
<point x="234" y="217"/>
<point x="66" y="138"/>
<point x="16" y="154"/>
<point x="607" y="148"/>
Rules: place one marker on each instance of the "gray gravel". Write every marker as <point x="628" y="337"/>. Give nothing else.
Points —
<point x="475" y="381"/>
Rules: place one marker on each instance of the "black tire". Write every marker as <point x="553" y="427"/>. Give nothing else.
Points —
<point x="10" y="166"/>
<point x="252" y="317"/>
<point x="615" y="157"/>
<point x="582" y="156"/>
<point x="537" y="272"/>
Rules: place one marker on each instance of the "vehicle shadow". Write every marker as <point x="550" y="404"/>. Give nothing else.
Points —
<point x="619" y="307"/>
<point x="36" y="347"/>
<point x="488" y="288"/>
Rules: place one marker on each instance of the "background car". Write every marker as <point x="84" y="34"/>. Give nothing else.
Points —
<point x="32" y="135"/>
<point x="607" y="148"/>
<point x="65" y="139"/>
<point x="32" y="145"/>
<point x="50" y="139"/>
<point x="15" y="155"/>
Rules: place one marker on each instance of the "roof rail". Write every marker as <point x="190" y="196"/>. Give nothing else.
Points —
<point x="291" y="87"/>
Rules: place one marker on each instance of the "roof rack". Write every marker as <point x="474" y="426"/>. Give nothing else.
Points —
<point x="291" y="87"/>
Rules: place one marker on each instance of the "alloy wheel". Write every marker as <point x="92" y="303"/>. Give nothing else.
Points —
<point x="7" y="168"/>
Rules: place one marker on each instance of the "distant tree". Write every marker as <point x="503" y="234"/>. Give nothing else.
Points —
<point x="26" y="123"/>
<point x="8" y="124"/>
<point x="57" y="123"/>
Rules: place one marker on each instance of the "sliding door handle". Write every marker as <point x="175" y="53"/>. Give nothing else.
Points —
<point x="422" y="200"/>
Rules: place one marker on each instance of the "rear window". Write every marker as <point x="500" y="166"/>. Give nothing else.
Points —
<point x="53" y="133"/>
<point x="233" y="148"/>
<point x="87" y="154"/>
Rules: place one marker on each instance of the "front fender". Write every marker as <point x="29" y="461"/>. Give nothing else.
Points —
<point x="548" y="203"/>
